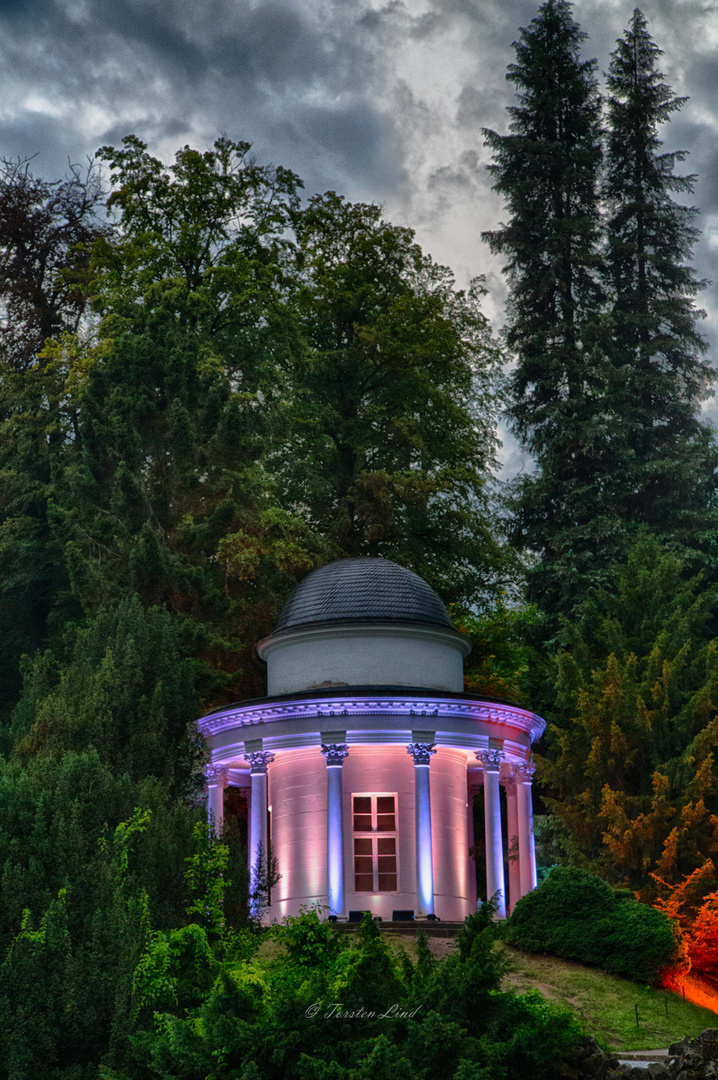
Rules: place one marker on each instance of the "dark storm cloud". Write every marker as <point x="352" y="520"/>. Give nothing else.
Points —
<point x="20" y="10"/>
<point x="42" y="141"/>
<point x="378" y="99"/>
<point x="272" y="72"/>
<point x="703" y="78"/>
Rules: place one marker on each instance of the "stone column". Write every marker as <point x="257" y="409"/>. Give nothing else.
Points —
<point x="527" y="851"/>
<point x="258" y="839"/>
<point x="474" y="790"/>
<point x="216" y="777"/>
<point x="491" y="760"/>
<point x="334" y="754"/>
<point x="421" y="753"/>
<point x="512" y="823"/>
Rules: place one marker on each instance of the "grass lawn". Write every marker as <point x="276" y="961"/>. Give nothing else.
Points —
<point x="607" y="1005"/>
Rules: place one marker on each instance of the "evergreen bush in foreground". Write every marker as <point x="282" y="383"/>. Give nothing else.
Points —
<point x="335" y="1006"/>
<point x="576" y="915"/>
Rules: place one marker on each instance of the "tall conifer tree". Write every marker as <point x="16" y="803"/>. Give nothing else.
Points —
<point x="547" y="169"/>
<point x="660" y="372"/>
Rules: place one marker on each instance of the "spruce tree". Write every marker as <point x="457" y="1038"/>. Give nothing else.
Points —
<point x="547" y="169"/>
<point x="660" y="373"/>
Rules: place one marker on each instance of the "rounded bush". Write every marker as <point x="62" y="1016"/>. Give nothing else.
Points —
<point x="578" y="916"/>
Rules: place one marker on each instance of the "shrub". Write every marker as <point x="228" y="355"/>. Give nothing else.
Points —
<point x="576" y="915"/>
<point x="336" y="1006"/>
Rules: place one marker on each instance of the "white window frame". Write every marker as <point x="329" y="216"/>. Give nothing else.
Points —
<point x="374" y="834"/>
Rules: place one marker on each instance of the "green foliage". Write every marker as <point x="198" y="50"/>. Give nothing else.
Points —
<point x="388" y="430"/>
<point x="34" y="447"/>
<point x="64" y="988"/>
<point x="175" y="970"/>
<point x="201" y="239"/>
<point x="328" y="396"/>
<point x="505" y="660"/>
<point x="578" y="916"/>
<point x="547" y="171"/>
<point x="206" y="880"/>
<point x="609" y="372"/>
<point x="125" y="689"/>
<point x="344" y="1007"/>
<point x="179" y="965"/>
<point x="89" y="812"/>
<point x="308" y="939"/>
<point x="660" y="377"/>
<point x="196" y="530"/>
<point x="631" y="750"/>
<point x="46" y="231"/>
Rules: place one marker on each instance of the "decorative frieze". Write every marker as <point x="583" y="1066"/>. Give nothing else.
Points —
<point x="397" y="705"/>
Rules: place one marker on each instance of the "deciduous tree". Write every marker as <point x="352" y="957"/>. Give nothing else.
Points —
<point x="389" y="429"/>
<point x="46" y="231"/>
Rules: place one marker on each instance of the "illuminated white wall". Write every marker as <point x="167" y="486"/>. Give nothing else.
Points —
<point x="297" y="795"/>
<point x="453" y="870"/>
<point x="370" y="656"/>
<point x="298" y="798"/>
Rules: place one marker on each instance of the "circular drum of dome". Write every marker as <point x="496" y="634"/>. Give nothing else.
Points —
<point x="363" y="622"/>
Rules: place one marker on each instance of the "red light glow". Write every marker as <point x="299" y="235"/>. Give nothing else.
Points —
<point x="693" y="987"/>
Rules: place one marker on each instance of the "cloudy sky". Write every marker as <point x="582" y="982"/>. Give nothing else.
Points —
<point x="381" y="100"/>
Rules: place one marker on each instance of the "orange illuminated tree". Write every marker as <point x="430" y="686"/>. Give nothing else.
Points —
<point x="694" y="911"/>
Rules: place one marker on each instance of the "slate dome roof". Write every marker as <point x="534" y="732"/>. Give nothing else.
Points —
<point x="363" y="590"/>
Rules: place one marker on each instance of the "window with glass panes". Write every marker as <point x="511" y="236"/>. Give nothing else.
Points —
<point x="374" y="838"/>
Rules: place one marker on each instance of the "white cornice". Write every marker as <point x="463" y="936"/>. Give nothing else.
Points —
<point x="399" y="705"/>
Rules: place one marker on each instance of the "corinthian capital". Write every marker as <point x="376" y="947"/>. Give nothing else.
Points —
<point x="509" y="782"/>
<point x="334" y="753"/>
<point x="524" y="771"/>
<point x="258" y="761"/>
<point x="490" y="759"/>
<point x="421" y="752"/>
<point x="216" y="775"/>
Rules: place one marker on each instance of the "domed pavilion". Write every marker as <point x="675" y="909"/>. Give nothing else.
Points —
<point x="362" y="764"/>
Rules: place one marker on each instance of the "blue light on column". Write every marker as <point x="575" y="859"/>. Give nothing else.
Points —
<point x="335" y="845"/>
<point x="334" y="755"/>
<point x="424" y="850"/>
<point x="422" y="753"/>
